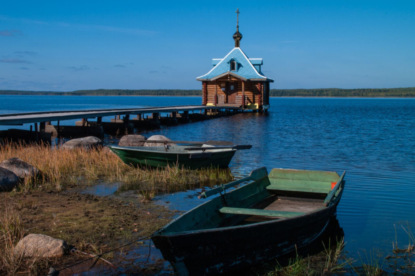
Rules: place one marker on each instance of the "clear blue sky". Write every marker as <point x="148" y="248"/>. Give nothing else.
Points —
<point x="89" y="44"/>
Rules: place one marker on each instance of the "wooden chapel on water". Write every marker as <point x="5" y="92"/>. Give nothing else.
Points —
<point x="236" y="80"/>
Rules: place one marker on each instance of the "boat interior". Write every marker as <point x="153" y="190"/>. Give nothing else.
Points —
<point x="281" y="194"/>
<point x="290" y="193"/>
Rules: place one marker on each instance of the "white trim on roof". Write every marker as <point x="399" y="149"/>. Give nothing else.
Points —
<point x="243" y="54"/>
<point x="261" y="76"/>
<point x="217" y="64"/>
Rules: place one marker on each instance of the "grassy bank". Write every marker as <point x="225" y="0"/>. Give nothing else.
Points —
<point x="52" y="204"/>
<point x="62" y="168"/>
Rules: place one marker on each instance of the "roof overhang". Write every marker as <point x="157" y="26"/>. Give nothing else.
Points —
<point x="229" y="73"/>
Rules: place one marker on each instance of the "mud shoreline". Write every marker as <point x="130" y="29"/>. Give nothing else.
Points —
<point x="90" y="224"/>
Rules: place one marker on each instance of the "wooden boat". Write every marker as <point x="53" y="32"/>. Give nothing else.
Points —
<point x="192" y="155"/>
<point x="266" y="217"/>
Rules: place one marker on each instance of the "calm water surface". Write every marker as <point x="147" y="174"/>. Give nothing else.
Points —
<point x="372" y="139"/>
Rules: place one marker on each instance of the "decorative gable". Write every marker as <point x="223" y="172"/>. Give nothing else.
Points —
<point x="237" y="64"/>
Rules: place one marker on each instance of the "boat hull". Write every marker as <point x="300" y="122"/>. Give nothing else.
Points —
<point x="160" y="158"/>
<point x="231" y="248"/>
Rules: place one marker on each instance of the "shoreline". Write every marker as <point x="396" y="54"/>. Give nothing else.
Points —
<point x="400" y="92"/>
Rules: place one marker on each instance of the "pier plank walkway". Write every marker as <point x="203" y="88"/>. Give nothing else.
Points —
<point x="39" y="117"/>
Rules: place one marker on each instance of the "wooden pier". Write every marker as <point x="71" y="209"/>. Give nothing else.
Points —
<point x="91" y="122"/>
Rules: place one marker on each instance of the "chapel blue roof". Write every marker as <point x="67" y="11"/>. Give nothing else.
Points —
<point x="246" y="68"/>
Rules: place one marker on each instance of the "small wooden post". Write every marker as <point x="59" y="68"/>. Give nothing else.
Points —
<point x="37" y="133"/>
<point x="99" y="120"/>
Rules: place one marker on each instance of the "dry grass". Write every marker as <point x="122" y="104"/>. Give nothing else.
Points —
<point x="62" y="168"/>
<point x="11" y="231"/>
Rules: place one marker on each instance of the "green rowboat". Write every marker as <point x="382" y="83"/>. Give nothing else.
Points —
<point x="191" y="157"/>
<point x="266" y="217"/>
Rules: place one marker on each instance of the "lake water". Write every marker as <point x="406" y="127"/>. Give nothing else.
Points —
<point x="372" y="139"/>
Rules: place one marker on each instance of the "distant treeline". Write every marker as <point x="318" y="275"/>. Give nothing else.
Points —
<point x="109" y="92"/>
<point x="323" y="92"/>
<point x="337" y="92"/>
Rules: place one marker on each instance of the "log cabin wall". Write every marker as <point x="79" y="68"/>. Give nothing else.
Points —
<point x="253" y="92"/>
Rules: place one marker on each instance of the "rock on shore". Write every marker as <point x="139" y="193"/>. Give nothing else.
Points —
<point x="8" y="180"/>
<point x="19" y="167"/>
<point x="157" y="138"/>
<point x="90" y="142"/>
<point x="133" y="140"/>
<point x="39" y="245"/>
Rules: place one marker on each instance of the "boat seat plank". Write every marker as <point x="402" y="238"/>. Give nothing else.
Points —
<point x="322" y="187"/>
<point x="258" y="212"/>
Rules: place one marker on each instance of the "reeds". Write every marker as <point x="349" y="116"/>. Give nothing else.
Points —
<point x="62" y="168"/>
<point x="330" y="261"/>
<point x="150" y="182"/>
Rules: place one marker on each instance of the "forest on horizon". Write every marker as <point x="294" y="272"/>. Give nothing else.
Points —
<point x="320" y="92"/>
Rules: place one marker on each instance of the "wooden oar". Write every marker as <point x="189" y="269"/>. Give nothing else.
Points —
<point x="236" y="147"/>
<point x="213" y="143"/>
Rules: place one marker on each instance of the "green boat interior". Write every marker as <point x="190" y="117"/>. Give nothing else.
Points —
<point x="280" y="195"/>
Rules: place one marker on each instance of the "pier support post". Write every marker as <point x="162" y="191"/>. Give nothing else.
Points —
<point x="59" y="130"/>
<point x="156" y="116"/>
<point x="186" y="115"/>
<point x="42" y="126"/>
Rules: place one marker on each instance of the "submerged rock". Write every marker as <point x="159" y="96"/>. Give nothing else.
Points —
<point x="133" y="140"/>
<point x="157" y="138"/>
<point x="8" y="180"/>
<point x="90" y="142"/>
<point x="39" y="245"/>
<point x="19" y="167"/>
